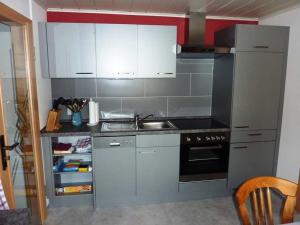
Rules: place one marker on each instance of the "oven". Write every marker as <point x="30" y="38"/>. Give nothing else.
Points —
<point x="204" y="156"/>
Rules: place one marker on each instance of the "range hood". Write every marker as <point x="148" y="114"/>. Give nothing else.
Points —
<point x="195" y="45"/>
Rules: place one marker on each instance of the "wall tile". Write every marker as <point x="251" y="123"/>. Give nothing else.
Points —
<point x="189" y="106"/>
<point x="120" y="88"/>
<point x="146" y="105"/>
<point x="179" y="86"/>
<point x="194" y="65"/>
<point x="201" y="84"/>
<point x="109" y="104"/>
<point x="62" y="87"/>
<point x="84" y="113"/>
<point x="85" y="87"/>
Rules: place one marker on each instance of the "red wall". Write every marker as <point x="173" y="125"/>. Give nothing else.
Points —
<point x="211" y="25"/>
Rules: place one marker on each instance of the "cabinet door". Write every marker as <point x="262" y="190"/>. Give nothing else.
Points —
<point x="257" y="88"/>
<point x="114" y="173"/>
<point x="71" y="50"/>
<point x="116" y="50"/>
<point x="156" y="51"/>
<point x="157" y="170"/>
<point x="262" y="38"/>
<point x="248" y="160"/>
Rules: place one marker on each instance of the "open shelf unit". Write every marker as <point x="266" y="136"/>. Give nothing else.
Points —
<point x="68" y="188"/>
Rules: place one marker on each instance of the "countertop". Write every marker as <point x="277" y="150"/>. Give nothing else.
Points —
<point x="68" y="129"/>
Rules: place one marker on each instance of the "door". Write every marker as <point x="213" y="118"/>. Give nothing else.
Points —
<point x="157" y="170"/>
<point x="257" y="87"/>
<point x="116" y="50"/>
<point x="248" y="160"/>
<point x="20" y="170"/>
<point x="71" y="50"/>
<point x="156" y="51"/>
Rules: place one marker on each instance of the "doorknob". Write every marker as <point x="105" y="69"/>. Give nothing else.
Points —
<point x="3" y="148"/>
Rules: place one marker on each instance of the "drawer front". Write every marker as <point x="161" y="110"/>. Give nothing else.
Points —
<point x="158" y="140"/>
<point x="253" y="136"/>
<point x="114" y="142"/>
<point x="262" y="38"/>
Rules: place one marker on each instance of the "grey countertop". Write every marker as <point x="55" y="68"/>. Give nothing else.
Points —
<point x="68" y="129"/>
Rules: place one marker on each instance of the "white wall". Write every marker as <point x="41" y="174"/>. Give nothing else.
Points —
<point x="289" y="151"/>
<point x="21" y="6"/>
<point x="43" y="84"/>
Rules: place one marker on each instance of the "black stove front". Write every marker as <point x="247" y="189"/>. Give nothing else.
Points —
<point x="204" y="156"/>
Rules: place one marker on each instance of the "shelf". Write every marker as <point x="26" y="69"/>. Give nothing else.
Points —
<point x="71" y="172"/>
<point x="71" y="154"/>
<point x="72" y="194"/>
<point x="61" y="185"/>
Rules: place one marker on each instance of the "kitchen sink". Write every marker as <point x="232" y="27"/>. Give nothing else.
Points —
<point x="156" y="125"/>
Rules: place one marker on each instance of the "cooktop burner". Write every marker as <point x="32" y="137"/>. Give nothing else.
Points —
<point x="203" y="123"/>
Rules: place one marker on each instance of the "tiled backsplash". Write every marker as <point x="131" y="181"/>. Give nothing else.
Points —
<point x="189" y="94"/>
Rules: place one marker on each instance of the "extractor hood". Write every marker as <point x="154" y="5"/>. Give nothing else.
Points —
<point x="194" y="48"/>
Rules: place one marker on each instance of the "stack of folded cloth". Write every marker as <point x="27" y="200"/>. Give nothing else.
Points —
<point x="62" y="148"/>
<point x="71" y="166"/>
<point x="83" y="145"/>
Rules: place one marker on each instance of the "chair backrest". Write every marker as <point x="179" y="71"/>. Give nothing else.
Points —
<point x="258" y="189"/>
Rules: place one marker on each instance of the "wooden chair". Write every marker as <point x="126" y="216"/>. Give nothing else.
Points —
<point x="258" y="189"/>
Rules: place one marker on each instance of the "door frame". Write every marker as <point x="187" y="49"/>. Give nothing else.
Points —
<point x="14" y="17"/>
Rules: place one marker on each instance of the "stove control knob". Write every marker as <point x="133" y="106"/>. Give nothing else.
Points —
<point x="207" y="138"/>
<point x="199" y="139"/>
<point x="218" y="138"/>
<point x="212" y="138"/>
<point x="222" y="138"/>
<point x="188" y="139"/>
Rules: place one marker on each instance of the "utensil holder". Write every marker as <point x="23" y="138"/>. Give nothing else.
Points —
<point x="76" y="118"/>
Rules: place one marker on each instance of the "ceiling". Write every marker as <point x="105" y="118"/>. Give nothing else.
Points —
<point x="235" y="8"/>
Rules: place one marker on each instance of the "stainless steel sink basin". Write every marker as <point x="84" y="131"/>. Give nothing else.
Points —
<point x="156" y="125"/>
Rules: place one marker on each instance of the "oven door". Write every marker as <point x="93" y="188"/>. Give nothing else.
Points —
<point x="204" y="162"/>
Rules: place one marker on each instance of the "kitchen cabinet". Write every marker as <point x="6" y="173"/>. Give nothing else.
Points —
<point x="117" y="48"/>
<point x="256" y="90"/>
<point x="62" y="184"/>
<point x="248" y="160"/>
<point x="157" y="164"/>
<point x="156" y="51"/>
<point x="254" y="38"/>
<point x="71" y="50"/>
<point x="114" y="168"/>
<point x="248" y="96"/>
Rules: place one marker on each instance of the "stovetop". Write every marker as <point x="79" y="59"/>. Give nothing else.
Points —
<point x="199" y="123"/>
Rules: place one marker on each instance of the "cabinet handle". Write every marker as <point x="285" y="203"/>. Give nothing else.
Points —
<point x="114" y="144"/>
<point x="84" y="73"/>
<point x="148" y="152"/>
<point x="161" y="73"/>
<point x="241" y="127"/>
<point x="258" y="134"/>
<point x="241" y="147"/>
<point x="261" y="46"/>
<point x="127" y="73"/>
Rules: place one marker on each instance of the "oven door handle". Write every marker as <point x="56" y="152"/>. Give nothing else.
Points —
<point x="206" y="147"/>
<point x="206" y="159"/>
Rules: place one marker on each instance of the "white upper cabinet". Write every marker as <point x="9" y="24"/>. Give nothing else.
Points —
<point x="156" y="51"/>
<point x="116" y="50"/>
<point x="71" y="50"/>
<point x="79" y="50"/>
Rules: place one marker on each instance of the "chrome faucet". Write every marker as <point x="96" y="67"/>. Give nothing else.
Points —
<point x="138" y="120"/>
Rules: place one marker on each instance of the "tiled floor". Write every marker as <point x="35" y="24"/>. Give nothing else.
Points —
<point x="219" y="211"/>
<point x="216" y="211"/>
